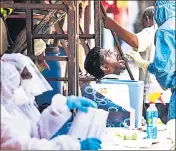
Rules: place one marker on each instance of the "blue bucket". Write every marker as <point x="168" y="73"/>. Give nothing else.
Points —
<point x="54" y="72"/>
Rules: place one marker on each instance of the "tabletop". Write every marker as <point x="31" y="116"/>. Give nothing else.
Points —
<point x="111" y="142"/>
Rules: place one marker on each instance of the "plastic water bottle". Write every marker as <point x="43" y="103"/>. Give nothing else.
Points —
<point x="152" y="116"/>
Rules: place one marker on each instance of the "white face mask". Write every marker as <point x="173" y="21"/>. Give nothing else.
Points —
<point x="20" y="96"/>
<point x="30" y="87"/>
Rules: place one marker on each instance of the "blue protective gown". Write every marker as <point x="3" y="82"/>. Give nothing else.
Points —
<point x="163" y="66"/>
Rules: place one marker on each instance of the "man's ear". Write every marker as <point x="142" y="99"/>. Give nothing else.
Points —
<point x="104" y="68"/>
<point x="148" y="20"/>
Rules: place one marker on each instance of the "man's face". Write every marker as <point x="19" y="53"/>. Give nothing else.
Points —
<point x="26" y="74"/>
<point x="112" y="62"/>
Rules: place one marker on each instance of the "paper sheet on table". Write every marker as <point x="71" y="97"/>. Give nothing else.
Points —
<point x="87" y="125"/>
<point x="117" y="93"/>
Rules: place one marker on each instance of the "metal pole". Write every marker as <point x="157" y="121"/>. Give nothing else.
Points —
<point x="84" y="43"/>
<point x="73" y="38"/>
<point x="118" y="46"/>
<point x="77" y="21"/>
<point x="33" y="6"/>
<point x="97" y="20"/>
<point x="61" y="36"/>
<point x="29" y="30"/>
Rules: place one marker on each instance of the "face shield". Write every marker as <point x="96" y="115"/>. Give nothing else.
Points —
<point x="35" y="85"/>
<point x="13" y="59"/>
<point x="12" y="92"/>
<point x="10" y="81"/>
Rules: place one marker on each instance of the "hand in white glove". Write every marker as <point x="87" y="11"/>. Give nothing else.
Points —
<point x="138" y="59"/>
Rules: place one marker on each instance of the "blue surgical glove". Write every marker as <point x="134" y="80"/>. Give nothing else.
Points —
<point x="90" y="144"/>
<point x="80" y="103"/>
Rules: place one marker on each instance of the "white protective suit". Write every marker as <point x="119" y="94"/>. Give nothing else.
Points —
<point x="22" y="126"/>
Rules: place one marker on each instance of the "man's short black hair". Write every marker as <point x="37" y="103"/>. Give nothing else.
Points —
<point x="93" y="63"/>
